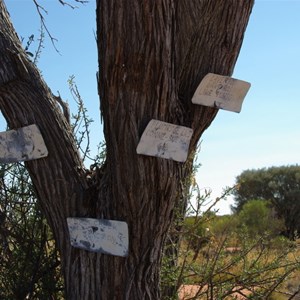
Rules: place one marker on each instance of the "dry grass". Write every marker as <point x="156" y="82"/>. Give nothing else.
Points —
<point x="289" y="285"/>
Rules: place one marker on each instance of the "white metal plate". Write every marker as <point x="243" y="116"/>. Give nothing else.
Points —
<point x="222" y="92"/>
<point x="165" y="140"/>
<point x="22" y="144"/>
<point x="99" y="235"/>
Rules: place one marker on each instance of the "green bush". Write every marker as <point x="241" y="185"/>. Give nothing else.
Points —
<point x="259" y="219"/>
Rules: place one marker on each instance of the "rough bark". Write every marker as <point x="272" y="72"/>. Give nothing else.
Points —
<point x="152" y="56"/>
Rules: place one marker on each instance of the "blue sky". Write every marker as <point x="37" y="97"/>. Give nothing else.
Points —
<point x="265" y="133"/>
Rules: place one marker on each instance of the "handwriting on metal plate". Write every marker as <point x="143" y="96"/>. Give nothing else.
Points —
<point x="22" y="144"/>
<point x="99" y="235"/>
<point x="165" y="140"/>
<point x="222" y="92"/>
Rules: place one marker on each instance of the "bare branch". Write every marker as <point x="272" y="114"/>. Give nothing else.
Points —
<point x="68" y="4"/>
<point x="41" y="10"/>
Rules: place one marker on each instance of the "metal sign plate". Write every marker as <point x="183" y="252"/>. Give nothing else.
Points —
<point x="99" y="235"/>
<point x="165" y="140"/>
<point x="222" y="92"/>
<point x="22" y="144"/>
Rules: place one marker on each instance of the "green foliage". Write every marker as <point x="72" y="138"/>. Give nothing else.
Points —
<point x="278" y="185"/>
<point x="258" y="218"/>
<point x="221" y="225"/>
<point x="29" y="261"/>
<point x="197" y="233"/>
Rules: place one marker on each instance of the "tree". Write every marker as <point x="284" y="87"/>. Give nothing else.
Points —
<point x="152" y="56"/>
<point x="280" y="186"/>
<point x="29" y="260"/>
<point x="258" y="219"/>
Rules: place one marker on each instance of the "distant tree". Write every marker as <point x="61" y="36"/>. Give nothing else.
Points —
<point x="258" y="218"/>
<point x="280" y="186"/>
<point x="223" y="224"/>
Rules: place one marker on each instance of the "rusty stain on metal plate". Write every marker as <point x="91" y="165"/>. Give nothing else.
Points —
<point x="99" y="235"/>
<point x="22" y="144"/>
<point x="222" y="92"/>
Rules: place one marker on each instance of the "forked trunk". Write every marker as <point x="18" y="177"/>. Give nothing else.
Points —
<point x="152" y="56"/>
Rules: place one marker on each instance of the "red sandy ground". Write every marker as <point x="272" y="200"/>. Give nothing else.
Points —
<point x="188" y="291"/>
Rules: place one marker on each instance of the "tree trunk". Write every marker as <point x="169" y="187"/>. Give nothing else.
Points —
<point x="152" y="56"/>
